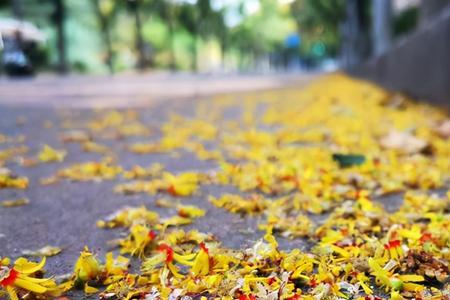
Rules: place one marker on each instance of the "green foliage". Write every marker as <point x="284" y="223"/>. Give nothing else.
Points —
<point x="156" y="32"/>
<point x="175" y="32"/>
<point x="263" y="31"/>
<point x="319" y="21"/>
<point x="406" y="21"/>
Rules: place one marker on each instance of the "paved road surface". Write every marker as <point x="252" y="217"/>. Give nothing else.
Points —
<point x="64" y="214"/>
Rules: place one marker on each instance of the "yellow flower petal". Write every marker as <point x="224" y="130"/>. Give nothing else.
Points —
<point x="30" y="286"/>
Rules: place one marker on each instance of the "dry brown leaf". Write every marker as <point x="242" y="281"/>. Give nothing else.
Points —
<point x="49" y="180"/>
<point x="44" y="251"/>
<point x="444" y="129"/>
<point x="75" y="136"/>
<point x="5" y="171"/>
<point x="164" y="203"/>
<point x="27" y="161"/>
<point x="402" y="141"/>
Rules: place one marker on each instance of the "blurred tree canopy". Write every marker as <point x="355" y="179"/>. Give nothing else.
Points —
<point x="320" y="21"/>
<point x="116" y="35"/>
<point x="113" y="35"/>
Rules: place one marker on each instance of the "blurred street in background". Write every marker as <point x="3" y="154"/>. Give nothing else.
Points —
<point x="135" y="90"/>
<point x="385" y="41"/>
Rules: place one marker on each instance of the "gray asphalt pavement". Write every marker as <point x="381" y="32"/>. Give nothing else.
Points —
<point x="65" y="214"/>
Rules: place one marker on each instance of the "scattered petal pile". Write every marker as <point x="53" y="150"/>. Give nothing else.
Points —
<point x="312" y="166"/>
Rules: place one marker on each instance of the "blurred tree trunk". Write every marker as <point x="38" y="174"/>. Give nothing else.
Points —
<point x="223" y="53"/>
<point x="381" y="25"/>
<point x="223" y="42"/>
<point x="59" y="20"/>
<point x="355" y="42"/>
<point x="143" y="62"/>
<point x="171" y="25"/>
<point x="195" y="53"/>
<point x="104" y="23"/>
<point x="350" y="32"/>
<point x="197" y="37"/>
<point x="17" y="9"/>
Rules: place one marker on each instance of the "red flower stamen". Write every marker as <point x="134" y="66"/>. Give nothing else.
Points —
<point x="151" y="235"/>
<point x="183" y="214"/>
<point x="288" y="178"/>
<point x="247" y="297"/>
<point x="271" y="280"/>
<point x="171" y="190"/>
<point x="392" y="244"/>
<point x="426" y="237"/>
<point x="203" y="247"/>
<point x="259" y="182"/>
<point x="8" y="281"/>
<point x="313" y="283"/>
<point x="168" y="250"/>
<point x="344" y="231"/>
<point x="376" y="162"/>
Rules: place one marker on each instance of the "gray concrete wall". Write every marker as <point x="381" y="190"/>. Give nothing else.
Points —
<point x="418" y="65"/>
